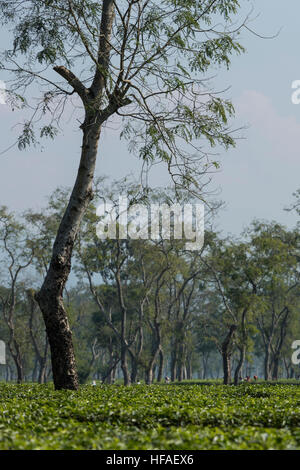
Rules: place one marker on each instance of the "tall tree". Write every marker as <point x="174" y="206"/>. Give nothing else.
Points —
<point x="147" y="56"/>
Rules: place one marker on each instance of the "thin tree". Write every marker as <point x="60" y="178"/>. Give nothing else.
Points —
<point x="16" y="255"/>
<point x="146" y="61"/>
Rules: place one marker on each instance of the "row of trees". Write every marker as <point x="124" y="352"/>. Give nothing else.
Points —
<point x="144" y="309"/>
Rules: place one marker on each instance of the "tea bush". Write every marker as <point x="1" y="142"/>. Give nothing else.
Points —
<point x="189" y="417"/>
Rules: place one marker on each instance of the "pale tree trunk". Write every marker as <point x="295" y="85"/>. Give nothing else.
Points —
<point x="35" y="370"/>
<point x="205" y="360"/>
<point x="40" y="357"/>
<point x="150" y="366"/>
<point x="123" y="308"/>
<point x="279" y="345"/>
<point x="240" y="364"/>
<point x="124" y="364"/>
<point x="16" y="354"/>
<point x="136" y="355"/>
<point x="267" y="362"/>
<point x="8" y="373"/>
<point x="112" y="364"/>
<point x="149" y="375"/>
<point x="242" y="348"/>
<point x="50" y="297"/>
<point x="42" y="371"/>
<point x="155" y="349"/>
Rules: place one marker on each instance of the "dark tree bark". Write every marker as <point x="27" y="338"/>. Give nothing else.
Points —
<point x="134" y="369"/>
<point x="19" y="367"/>
<point x="15" y="351"/>
<point x="174" y="363"/>
<point x="226" y="354"/>
<point x="160" y="366"/>
<point x="242" y="348"/>
<point x="189" y="373"/>
<point x="181" y="370"/>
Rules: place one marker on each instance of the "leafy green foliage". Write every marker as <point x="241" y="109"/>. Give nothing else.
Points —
<point x="161" y="54"/>
<point x="155" y="417"/>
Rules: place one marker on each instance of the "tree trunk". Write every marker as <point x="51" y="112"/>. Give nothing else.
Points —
<point x="239" y="366"/>
<point x="41" y="357"/>
<point x="134" y="372"/>
<point x="155" y="350"/>
<point x="205" y="358"/>
<point x="42" y="371"/>
<point x="226" y="354"/>
<point x="149" y="375"/>
<point x="135" y="357"/>
<point x="227" y="368"/>
<point x="150" y="370"/>
<point x="8" y="373"/>
<point x="276" y="367"/>
<point x="15" y="352"/>
<point x="279" y="345"/>
<point x="20" y="373"/>
<point x="161" y="366"/>
<point x="34" y="371"/>
<point x="124" y="365"/>
<point x="50" y="297"/>
<point x="173" y="363"/>
<point x="181" y="375"/>
<point x="267" y="360"/>
<point x="189" y="368"/>
<point x="242" y="348"/>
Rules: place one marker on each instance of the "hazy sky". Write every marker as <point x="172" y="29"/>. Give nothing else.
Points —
<point x="257" y="178"/>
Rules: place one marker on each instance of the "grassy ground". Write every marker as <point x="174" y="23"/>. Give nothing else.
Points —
<point x="165" y="417"/>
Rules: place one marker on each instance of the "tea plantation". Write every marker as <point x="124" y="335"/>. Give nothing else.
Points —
<point x="164" y="417"/>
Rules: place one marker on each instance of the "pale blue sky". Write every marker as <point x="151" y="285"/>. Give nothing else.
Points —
<point x="256" y="179"/>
